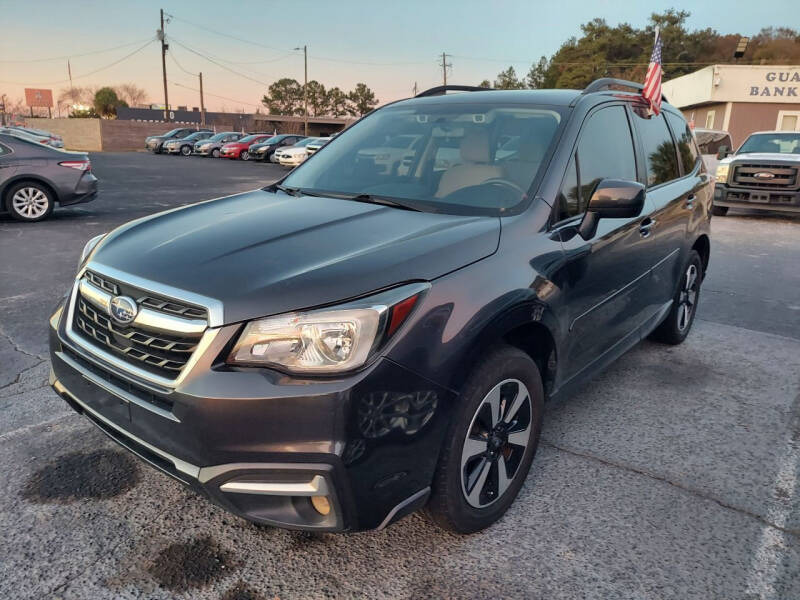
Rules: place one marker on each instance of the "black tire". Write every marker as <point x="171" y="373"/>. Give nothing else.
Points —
<point x="676" y="326"/>
<point x="29" y="201"/>
<point x="215" y="153"/>
<point x="244" y="155"/>
<point x="719" y="211"/>
<point x="186" y="150"/>
<point x="504" y="367"/>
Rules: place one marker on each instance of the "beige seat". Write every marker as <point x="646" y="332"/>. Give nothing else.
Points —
<point x="475" y="167"/>
<point x="522" y="168"/>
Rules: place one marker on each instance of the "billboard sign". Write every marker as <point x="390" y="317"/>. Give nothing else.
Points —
<point x="38" y="98"/>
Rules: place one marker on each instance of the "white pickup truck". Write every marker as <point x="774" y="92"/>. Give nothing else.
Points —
<point x="764" y="173"/>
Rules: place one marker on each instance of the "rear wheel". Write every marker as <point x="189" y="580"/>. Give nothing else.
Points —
<point x="490" y="443"/>
<point x="29" y="201"/>
<point x="719" y="211"/>
<point x="245" y="155"/>
<point x="674" y="329"/>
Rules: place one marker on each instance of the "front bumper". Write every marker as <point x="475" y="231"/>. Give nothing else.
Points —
<point x="203" y="151"/>
<point x="777" y="199"/>
<point x="261" y="444"/>
<point x="229" y="154"/>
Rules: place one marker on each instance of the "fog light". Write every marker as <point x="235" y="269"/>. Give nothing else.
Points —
<point x="321" y="505"/>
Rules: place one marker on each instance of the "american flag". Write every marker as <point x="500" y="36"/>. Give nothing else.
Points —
<point x="652" y="82"/>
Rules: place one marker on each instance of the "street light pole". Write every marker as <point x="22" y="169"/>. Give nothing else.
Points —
<point x="305" y="88"/>
<point x="202" y="105"/>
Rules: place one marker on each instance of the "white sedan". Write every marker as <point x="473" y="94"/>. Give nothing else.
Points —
<point x="294" y="155"/>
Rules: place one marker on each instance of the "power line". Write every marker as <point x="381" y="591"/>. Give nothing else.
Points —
<point x="211" y="60"/>
<point x="188" y="87"/>
<point x="103" y="68"/>
<point x="67" y="56"/>
<point x="228" y="35"/>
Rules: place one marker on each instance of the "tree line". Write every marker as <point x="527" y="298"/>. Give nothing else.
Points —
<point x="286" y="97"/>
<point x="624" y="52"/>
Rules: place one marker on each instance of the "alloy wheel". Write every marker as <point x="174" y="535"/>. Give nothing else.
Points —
<point x="186" y="150"/>
<point x="687" y="298"/>
<point x="245" y="155"/>
<point x="495" y="444"/>
<point x="30" y="202"/>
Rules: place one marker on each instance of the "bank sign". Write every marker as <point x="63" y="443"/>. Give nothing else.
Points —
<point x="781" y="84"/>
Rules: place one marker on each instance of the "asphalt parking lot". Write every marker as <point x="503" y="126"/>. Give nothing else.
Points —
<point x="672" y="475"/>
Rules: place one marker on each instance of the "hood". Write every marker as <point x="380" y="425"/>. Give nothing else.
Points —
<point x="232" y="145"/>
<point x="765" y="156"/>
<point x="263" y="253"/>
<point x="294" y="151"/>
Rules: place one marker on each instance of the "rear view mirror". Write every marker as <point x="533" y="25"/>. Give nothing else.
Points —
<point x="723" y="152"/>
<point x="612" y="199"/>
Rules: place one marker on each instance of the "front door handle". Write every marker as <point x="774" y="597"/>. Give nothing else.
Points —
<point x="690" y="201"/>
<point x="646" y="226"/>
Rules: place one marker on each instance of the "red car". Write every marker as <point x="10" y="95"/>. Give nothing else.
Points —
<point x="240" y="148"/>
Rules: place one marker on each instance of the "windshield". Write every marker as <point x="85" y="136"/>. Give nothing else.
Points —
<point x="250" y="138"/>
<point x="437" y="157"/>
<point x="219" y="136"/>
<point x="711" y="141"/>
<point x="304" y="142"/>
<point x="196" y="135"/>
<point x="173" y="132"/>
<point x="780" y="143"/>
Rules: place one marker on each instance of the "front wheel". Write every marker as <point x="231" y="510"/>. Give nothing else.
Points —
<point x="215" y="153"/>
<point x="490" y="443"/>
<point x="719" y="211"/>
<point x="186" y="150"/>
<point x="29" y="201"/>
<point x="245" y="155"/>
<point x="674" y="329"/>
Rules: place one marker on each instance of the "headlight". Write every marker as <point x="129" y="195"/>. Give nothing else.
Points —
<point x="328" y="340"/>
<point x="90" y="245"/>
<point x="722" y="173"/>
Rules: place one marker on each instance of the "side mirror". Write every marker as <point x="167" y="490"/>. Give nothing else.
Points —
<point x="612" y="199"/>
<point x="723" y="152"/>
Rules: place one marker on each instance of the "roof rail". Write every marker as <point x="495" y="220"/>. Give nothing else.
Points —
<point x="606" y="83"/>
<point x="440" y="90"/>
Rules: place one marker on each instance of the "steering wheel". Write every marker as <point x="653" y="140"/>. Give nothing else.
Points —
<point x="507" y="183"/>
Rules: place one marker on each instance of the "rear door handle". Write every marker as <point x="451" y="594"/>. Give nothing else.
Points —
<point x="645" y="227"/>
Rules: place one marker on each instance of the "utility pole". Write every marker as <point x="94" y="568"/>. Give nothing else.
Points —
<point x="202" y="106"/>
<point x="445" y="66"/>
<point x="164" y="46"/>
<point x="415" y="88"/>
<point x="305" y="87"/>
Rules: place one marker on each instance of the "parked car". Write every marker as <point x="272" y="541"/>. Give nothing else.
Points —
<point x="28" y="135"/>
<point x="266" y="150"/>
<point x="34" y="177"/>
<point x="390" y="154"/>
<point x="241" y="148"/>
<point x="185" y="145"/>
<point x="313" y="147"/>
<point x="763" y="174"/>
<point x="294" y="155"/>
<point x="154" y="143"/>
<point x="347" y="345"/>
<point x="710" y="141"/>
<point x="52" y="139"/>
<point x="213" y="145"/>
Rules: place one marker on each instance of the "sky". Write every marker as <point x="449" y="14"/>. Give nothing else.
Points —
<point x="389" y="45"/>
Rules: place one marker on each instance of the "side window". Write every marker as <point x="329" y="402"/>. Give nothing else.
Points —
<point x="569" y="202"/>
<point x="605" y="151"/>
<point x="4" y="150"/>
<point x="659" y="150"/>
<point x="687" y="150"/>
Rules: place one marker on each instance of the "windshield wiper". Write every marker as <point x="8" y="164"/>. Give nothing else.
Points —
<point x="287" y="190"/>
<point x="381" y="200"/>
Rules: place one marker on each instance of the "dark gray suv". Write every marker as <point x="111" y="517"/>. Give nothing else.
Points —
<point x="353" y="343"/>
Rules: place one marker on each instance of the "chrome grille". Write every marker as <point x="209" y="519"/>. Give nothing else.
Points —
<point x="783" y="176"/>
<point x="161" y="345"/>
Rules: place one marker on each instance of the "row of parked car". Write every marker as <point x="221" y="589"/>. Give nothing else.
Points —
<point x="37" y="135"/>
<point x="288" y="150"/>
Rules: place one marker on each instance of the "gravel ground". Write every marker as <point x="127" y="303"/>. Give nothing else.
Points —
<point x="671" y="475"/>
